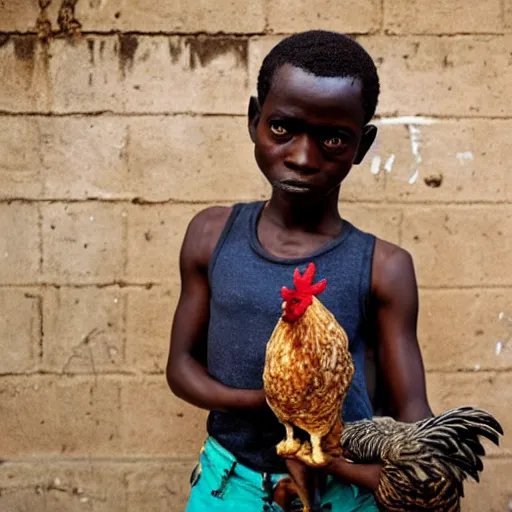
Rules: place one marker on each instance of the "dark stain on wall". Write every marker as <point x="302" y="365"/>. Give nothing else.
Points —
<point x="90" y="46"/>
<point x="434" y="181"/>
<point x="24" y="47"/>
<point x="175" y="48"/>
<point x="43" y="24"/>
<point x="4" y="39"/>
<point x="205" y="49"/>
<point x="66" y="20"/>
<point x="127" y="47"/>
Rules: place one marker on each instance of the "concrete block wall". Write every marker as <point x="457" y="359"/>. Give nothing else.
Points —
<point x="120" y="120"/>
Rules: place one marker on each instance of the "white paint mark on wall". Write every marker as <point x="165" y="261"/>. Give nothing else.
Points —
<point x="466" y="156"/>
<point x="417" y="120"/>
<point x="375" y="168"/>
<point x="414" y="136"/>
<point x="414" y="177"/>
<point x="505" y="343"/>
<point x="389" y="163"/>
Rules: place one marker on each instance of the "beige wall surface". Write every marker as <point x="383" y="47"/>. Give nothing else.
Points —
<point x="121" y="119"/>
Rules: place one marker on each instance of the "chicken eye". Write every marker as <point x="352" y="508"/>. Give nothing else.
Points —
<point x="278" y="129"/>
<point x="294" y="301"/>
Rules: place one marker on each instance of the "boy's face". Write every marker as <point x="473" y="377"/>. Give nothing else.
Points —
<point x="309" y="132"/>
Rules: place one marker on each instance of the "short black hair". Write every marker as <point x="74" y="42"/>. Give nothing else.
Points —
<point x="327" y="54"/>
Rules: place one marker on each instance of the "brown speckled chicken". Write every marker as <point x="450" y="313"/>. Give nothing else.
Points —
<point x="308" y="369"/>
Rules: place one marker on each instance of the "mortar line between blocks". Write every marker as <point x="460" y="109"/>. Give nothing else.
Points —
<point x="100" y="460"/>
<point x="112" y="113"/>
<point x="163" y="284"/>
<point x="248" y="35"/>
<point x="385" y="202"/>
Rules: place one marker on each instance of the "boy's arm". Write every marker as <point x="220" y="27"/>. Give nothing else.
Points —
<point x="395" y="294"/>
<point x="187" y="377"/>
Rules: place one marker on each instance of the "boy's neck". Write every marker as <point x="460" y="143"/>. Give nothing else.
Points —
<point x="297" y="214"/>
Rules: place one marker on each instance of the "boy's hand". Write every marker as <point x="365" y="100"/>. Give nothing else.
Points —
<point x="249" y="400"/>
<point x="362" y="475"/>
<point x="253" y="407"/>
<point x="257" y="399"/>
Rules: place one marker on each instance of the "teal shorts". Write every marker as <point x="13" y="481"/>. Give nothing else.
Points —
<point x="221" y="484"/>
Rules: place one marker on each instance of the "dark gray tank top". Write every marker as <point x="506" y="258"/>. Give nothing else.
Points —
<point x="245" y="283"/>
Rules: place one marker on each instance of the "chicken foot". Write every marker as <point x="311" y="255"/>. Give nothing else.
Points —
<point x="289" y="446"/>
<point x="322" y="447"/>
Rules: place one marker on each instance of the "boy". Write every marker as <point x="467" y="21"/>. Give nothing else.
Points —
<point x="317" y="92"/>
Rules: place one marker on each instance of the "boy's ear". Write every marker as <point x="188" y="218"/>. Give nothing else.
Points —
<point x="369" y="134"/>
<point x="253" y="115"/>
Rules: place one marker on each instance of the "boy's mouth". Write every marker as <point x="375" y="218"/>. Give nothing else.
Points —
<point x="293" y="186"/>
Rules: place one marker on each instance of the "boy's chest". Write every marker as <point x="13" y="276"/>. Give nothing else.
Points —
<point x="245" y="307"/>
<point x="286" y="244"/>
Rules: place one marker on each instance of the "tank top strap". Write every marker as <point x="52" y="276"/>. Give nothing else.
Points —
<point x="240" y="214"/>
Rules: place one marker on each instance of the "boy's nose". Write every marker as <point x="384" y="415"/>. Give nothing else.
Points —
<point x="304" y="155"/>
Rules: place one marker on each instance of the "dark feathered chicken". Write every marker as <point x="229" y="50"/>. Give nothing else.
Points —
<point x="426" y="463"/>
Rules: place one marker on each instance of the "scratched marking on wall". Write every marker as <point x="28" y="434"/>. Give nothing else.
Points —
<point x="505" y="343"/>
<point x="406" y="120"/>
<point x="413" y="124"/>
<point x="466" y="156"/>
<point x="415" y="138"/>
<point x="389" y="163"/>
<point x="375" y="166"/>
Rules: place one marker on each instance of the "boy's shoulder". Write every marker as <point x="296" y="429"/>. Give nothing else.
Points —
<point x="388" y="258"/>
<point x="210" y="219"/>
<point x="204" y="231"/>
<point x="391" y="264"/>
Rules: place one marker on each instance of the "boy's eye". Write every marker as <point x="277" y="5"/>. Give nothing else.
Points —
<point x="334" y="143"/>
<point x="278" y="129"/>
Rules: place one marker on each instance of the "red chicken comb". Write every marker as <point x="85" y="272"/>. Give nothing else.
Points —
<point x="304" y="286"/>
